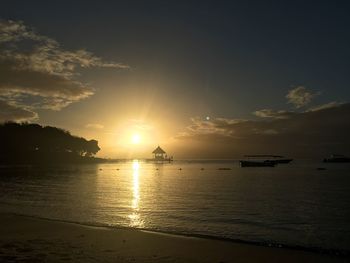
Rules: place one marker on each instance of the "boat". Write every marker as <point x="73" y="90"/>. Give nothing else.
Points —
<point x="277" y="159"/>
<point x="266" y="163"/>
<point x="337" y="158"/>
<point x="283" y="161"/>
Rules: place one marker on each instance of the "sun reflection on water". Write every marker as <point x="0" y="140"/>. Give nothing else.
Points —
<point x="135" y="220"/>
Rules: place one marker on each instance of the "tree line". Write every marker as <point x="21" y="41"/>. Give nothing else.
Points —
<point x="33" y="143"/>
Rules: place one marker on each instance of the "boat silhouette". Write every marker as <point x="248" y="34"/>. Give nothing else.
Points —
<point x="276" y="159"/>
<point x="257" y="163"/>
<point x="250" y="163"/>
<point x="337" y="158"/>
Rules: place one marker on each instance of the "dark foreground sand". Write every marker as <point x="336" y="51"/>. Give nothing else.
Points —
<point x="27" y="239"/>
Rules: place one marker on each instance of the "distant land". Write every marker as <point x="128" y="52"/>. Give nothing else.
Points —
<point x="28" y="143"/>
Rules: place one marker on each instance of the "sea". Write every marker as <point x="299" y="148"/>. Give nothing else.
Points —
<point x="293" y="205"/>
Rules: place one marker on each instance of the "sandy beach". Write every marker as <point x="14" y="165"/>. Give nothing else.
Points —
<point x="28" y="239"/>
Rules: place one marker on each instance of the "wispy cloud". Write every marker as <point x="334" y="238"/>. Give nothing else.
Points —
<point x="273" y="114"/>
<point x="10" y="112"/>
<point x="328" y="105"/>
<point x="45" y="54"/>
<point x="213" y="126"/>
<point x="13" y="31"/>
<point x="36" y="72"/>
<point x="301" y="133"/>
<point x="324" y="127"/>
<point x="300" y="96"/>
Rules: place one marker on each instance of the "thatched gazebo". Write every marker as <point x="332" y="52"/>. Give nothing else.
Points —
<point x="159" y="154"/>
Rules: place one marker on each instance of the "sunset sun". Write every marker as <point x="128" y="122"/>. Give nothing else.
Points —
<point x="136" y="138"/>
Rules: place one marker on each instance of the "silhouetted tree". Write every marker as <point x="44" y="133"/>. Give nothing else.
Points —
<point x="33" y="143"/>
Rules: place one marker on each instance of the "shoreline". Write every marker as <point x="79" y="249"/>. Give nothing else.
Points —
<point x="317" y="250"/>
<point x="23" y="236"/>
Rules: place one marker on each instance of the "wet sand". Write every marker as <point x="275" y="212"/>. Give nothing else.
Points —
<point x="28" y="239"/>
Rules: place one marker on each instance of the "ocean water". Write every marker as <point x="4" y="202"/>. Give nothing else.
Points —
<point x="293" y="204"/>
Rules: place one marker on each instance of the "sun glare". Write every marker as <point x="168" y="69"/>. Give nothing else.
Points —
<point x="135" y="138"/>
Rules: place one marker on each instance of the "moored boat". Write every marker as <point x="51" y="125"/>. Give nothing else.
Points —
<point x="266" y="163"/>
<point x="277" y="159"/>
<point x="337" y="158"/>
<point x="281" y="160"/>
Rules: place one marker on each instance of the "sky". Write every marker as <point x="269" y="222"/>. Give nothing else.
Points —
<point x="203" y="79"/>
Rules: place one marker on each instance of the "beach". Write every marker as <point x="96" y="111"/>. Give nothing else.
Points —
<point x="30" y="239"/>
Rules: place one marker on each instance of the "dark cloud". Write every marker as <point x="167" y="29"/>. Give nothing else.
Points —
<point x="10" y="112"/>
<point x="37" y="73"/>
<point x="300" y="96"/>
<point x="54" y="91"/>
<point x="44" y="54"/>
<point x="269" y="113"/>
<point x="328" y="105"/>
<point x="323" y="131"/>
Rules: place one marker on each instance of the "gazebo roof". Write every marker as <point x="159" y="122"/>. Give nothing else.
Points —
<point x="158" y="150"/>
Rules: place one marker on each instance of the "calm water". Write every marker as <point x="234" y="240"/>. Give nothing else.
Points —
<point x="292" y="204"/>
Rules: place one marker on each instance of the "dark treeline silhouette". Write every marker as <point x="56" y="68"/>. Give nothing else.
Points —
<point x="27" y="143"/>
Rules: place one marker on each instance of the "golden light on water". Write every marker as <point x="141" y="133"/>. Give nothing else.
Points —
<point x="136" y="186"/>
<point x="135" y="219"/>
<point x="135" y="166"/>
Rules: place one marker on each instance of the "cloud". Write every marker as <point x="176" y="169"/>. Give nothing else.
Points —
<point x="12" y="113"/>
<point x="269" y="113"/>
<point x="44" y="54"/>
<point x="214" y="126"/>
<point x="96" y="126"/>
<point x="223" y="128"/>
<point x="314" y="132"/>
<point x="14" y="31"/>
<point x="300" y="96"/>
<point x="39" y="89"/>
<point x="329" y="105"/>
<point x="319" y="132"/>
<point x="37" y="73"/>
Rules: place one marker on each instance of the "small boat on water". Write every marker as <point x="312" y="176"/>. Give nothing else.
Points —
<point x="285" y="160"/>
<point x="248" y="163"/>
<point x="337" y="158"/>
<point x="277" y="159"/>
